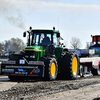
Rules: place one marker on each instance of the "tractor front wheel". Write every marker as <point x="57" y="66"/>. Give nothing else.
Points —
<point x="51" y="69"/>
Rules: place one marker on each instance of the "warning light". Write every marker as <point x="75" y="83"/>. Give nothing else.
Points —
<point x="59" y="42"/>
<point x="30" y="27"/>
<point x="53" y="28"/>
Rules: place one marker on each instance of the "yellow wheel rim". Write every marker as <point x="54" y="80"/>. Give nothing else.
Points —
<point x="53" y="69"/>
<point x="74" y="66"/>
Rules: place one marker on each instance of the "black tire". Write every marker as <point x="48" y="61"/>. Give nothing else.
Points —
<point x="51" y="68"/>
<point x="70" y="68"/>
<point x="14" y="78"/>
<point x="11" y="78"/>
<point x="96" y="71"/>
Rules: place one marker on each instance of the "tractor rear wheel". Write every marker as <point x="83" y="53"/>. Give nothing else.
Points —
<point x="70" y="66"/>
<point x="51" y="68"/>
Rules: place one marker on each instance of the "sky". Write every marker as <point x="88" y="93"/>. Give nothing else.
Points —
<point x="73" y="18"/>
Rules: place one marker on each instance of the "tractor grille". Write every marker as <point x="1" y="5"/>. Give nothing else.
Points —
<point x="29" y="52"/>
<point x="30" y="55"/>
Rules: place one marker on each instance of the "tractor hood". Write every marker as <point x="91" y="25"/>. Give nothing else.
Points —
<point x="34" y="53"/>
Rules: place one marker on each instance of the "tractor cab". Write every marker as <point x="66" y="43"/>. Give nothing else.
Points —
<point x="42" y="37"/>
<point x="43" y="42"/>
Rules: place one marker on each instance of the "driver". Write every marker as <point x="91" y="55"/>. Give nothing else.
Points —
<point x="46" y="41"/>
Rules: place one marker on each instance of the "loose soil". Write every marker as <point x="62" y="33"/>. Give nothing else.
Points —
<point x="80" y="89"/>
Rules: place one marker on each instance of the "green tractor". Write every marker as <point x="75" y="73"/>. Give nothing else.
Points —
<point x="44" y="57"/>
<point x="44" y="45"/>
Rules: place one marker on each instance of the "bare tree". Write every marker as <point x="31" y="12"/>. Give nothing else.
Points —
<point x="87" y="45"/>
<point x="75" y="43"/>
<point x="1" y="46"/>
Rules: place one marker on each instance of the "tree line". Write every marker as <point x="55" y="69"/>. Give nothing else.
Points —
<point x="17" y="44"/>
<point x="14" y="44"/>
<point x="75" y="43"/>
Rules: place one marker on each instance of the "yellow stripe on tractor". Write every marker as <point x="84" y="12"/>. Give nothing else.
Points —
<point x="33" y="50"/>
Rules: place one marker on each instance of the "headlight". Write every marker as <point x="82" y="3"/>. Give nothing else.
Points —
<point x="26" y="56"/>
<point x="32" y="56"/>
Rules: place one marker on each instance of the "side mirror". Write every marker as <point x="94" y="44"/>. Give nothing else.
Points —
<point x="58" y="34"/>
<point x="24" y="34"/>
<point x="62" y="44"/>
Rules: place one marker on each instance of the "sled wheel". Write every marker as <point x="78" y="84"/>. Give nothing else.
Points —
<point x="96" y="71"/>
<point x="81" y="73"/>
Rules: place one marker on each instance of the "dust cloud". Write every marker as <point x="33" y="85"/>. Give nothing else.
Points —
<point x="11" y="13"/>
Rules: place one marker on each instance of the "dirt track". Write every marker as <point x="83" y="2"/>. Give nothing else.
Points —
<point x="87" y="93"/>
<point x="80" y="89"/>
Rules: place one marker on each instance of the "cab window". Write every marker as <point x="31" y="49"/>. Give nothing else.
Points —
<point x="55" y="39"/>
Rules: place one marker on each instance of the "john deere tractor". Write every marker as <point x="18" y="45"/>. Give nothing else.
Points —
<point x="44" y="57"/>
